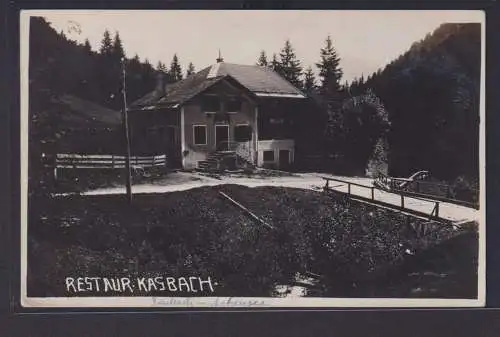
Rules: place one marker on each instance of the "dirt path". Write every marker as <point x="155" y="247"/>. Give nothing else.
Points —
<point x="181" y="181"/>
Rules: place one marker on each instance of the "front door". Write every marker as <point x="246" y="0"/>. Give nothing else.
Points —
<point x="172" y="146"/>
<point x="284" y="159"/>
<point x="222" y="137"/>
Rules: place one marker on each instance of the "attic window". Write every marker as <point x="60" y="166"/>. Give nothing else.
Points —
<point x="277" y="121"/>
<point x="210" y="104"/>
<point x="233" y="105"/>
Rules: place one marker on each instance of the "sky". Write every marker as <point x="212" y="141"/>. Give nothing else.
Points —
<point x="364" y="40"/>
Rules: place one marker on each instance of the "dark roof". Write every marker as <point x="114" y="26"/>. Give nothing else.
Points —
<point x="256" y="79"/>
<point x="176" y="92"/>
<point x="77" y="112"/>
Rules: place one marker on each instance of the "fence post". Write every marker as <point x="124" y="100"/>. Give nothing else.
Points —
<point x="327" y="185"/>
<point x="349" y="188"/>
<point x="402" y="201"/>
<point x="373" y="193"/>
<point x="437" y="209"/>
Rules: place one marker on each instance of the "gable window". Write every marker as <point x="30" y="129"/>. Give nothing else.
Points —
<point x="210" y="104"/>
<point x="200" y="134"/>
<point x="277" y="121"/>
<point x="233" y="104"/>
<point x="268" y="156"/>
<point x="242" y="133"/>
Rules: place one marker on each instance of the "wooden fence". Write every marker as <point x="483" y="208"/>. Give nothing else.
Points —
<point x="434" y="214"/>
<point x="79" y="161"/>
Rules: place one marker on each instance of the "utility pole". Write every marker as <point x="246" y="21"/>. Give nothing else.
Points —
<point x="127" y="138"/>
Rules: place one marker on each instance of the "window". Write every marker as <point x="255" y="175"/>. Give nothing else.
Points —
<point x="233" y="105"/>
<point x="268" y="156"/>
<point x="200" y="134"/>
<point x="242" y="133"/>
<point x="280" y="121"/>
<point x="210" y="104"/>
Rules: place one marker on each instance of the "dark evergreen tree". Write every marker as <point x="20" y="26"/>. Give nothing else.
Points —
<point x="148" y="76"/>
<point x="118" y="52"/>
<point x="106" y="71"/>
<point x="262" y="61"/>
<point x="275" y="64"/>
<point x="330" y="72"/>
<point x="309" y="80"/>
<point x="87" y="47"/>
<point x="86" y="86"/>
<point x="190" y="69"/>
<point x="134" y="79"/>
<point x="106" y="44"/>
<point x="160" y="66"/>
<point x="175" y="69"/>
<point x="110" y="70"/>
<point x="289" y="65"/>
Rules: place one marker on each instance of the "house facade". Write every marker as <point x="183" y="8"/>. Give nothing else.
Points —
<point x="245" y="110"/>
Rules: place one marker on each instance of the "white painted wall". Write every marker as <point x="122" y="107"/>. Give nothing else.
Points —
<point x="192" y="159"/>
<point x="275" y="145"/>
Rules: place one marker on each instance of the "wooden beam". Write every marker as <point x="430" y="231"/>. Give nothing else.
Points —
<point x="246" y="210"/>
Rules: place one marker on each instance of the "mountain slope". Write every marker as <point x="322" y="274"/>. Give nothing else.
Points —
<point x="432" y="95"/>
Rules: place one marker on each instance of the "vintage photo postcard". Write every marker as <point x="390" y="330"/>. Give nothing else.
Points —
<point x="252" y="159"/>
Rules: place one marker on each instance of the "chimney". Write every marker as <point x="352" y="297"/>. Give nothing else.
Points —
<point x="220" y="59"/>
<point x="160" y="83"/>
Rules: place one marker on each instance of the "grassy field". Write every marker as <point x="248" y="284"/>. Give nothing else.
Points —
<point x="359" y="250"/>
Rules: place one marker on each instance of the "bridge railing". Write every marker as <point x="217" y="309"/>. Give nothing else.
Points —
<point x="434" y="214"/>
<point x="426" y="189"/>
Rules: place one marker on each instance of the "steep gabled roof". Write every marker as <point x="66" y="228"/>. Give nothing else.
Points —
<point x="176" y="92"/>
<point x="259" y="81"/>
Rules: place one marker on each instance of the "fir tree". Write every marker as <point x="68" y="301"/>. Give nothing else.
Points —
<point x="190" y="69"/>
<point x="175" y="69"/>
<point x="290" y="67"/>
<point x="106" y="44"/>
<point x="87" y="47"/>
<point x="108" y="73"/>
<point x="329" y="69"/>
<point x="160" y="66"/>
<point x="309" y="80"/>
<point x="135" y="86"/>
<point x="262" y="61"/>
<point x="275" y="65"/>
<point x="117" y="50"/>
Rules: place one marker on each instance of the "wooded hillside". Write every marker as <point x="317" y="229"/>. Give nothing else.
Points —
<point x="431" y="93"/>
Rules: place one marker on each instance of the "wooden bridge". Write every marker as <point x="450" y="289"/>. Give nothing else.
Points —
<point x="428" y="208"/>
